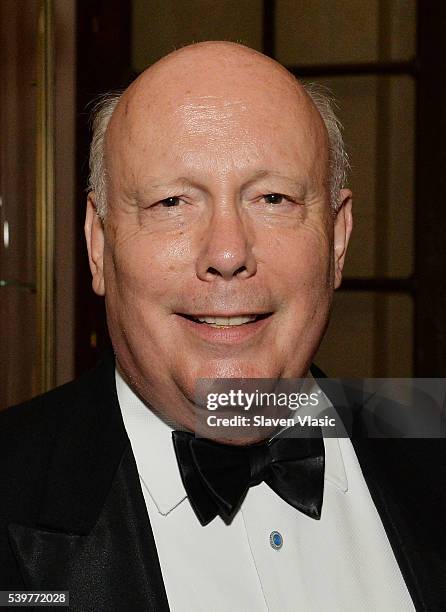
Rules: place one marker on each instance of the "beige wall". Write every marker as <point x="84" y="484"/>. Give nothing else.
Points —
<point x="322" y="31"/>
<point x="160" y="26"/>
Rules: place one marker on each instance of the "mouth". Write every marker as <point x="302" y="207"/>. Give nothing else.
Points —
<point x="225" y="321"/>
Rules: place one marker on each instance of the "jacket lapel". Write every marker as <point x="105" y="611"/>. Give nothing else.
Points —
<point x="406" y="480"/>
<point x="93" y="535"/>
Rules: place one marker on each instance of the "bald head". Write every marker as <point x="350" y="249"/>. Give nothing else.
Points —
<point x="215" y="87"/>
<point x="223" y="71"/>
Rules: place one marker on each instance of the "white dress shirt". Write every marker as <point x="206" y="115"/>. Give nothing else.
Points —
<point x="340" y="563"/>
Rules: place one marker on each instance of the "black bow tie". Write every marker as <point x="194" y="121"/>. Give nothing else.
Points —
<point x="217" y="476"/>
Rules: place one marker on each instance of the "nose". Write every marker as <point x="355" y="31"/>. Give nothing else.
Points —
<point x="226" y="248"/>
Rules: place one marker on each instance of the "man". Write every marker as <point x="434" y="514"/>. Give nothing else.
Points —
<point x="217" y="226"/>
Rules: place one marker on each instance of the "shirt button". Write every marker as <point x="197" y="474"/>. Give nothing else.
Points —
<point x="276" y="540"/>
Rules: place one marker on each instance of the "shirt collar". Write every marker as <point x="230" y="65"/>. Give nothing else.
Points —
<point x="335" y="472"/>
<point x="151" y="441"/>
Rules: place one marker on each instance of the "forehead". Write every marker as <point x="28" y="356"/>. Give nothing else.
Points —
<point x="255" y="117"/>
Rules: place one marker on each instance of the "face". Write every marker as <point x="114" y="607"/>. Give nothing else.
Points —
<point x="220" y="253"/>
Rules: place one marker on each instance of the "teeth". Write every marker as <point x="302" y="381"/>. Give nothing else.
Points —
<point x="226" y="321"/>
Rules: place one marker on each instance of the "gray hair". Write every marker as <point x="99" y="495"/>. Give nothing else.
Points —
<point x="321" y="97"/>
<point x="97" y="180"/>
<point x="339" y="164"/>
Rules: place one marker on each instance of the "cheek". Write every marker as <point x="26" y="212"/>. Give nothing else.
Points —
<point x="302" y="261"/>
<point x="144" y="268"/>
<point x="305" y="275"/>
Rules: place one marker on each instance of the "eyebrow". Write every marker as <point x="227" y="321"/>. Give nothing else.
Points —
<point x="185" y="182"/>
<point x="260" y="174"/>
<point x="180" y="180"/>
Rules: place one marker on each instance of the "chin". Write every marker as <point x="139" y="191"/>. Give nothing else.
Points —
<point x="234" y="368"/>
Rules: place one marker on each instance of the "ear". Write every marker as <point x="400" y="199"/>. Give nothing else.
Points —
<point x="94" y="235"/>
<point x="343" y="226"/>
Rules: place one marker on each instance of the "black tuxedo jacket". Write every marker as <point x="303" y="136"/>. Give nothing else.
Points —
<point x="73" y="516"/>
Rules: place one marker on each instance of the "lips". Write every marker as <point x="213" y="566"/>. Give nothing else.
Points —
<point x="226" y="321"/>
<point x="229" y="331"/>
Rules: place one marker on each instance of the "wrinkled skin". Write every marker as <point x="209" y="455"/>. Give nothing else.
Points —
<point x="215" y="127"/>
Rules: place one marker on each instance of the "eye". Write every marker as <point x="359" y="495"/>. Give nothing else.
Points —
<point x="167" y="202"/>
<point x="274" y="198"/>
